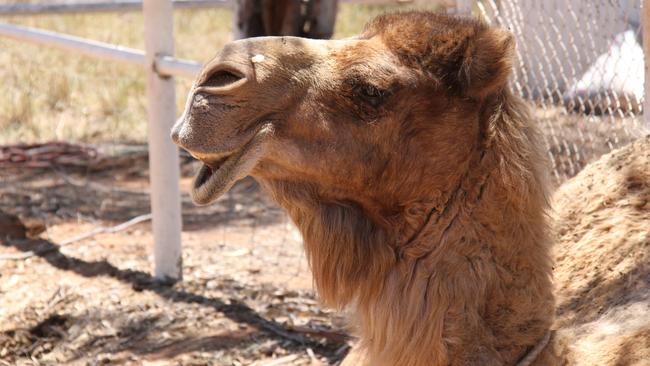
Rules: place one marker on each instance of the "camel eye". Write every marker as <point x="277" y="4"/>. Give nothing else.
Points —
<point x="370" y="94"/>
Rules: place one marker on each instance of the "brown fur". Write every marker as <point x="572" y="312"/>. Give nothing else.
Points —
<point x="422" y="210"/>
<point x="469" y="285"/>
<point x="603" y="259"/>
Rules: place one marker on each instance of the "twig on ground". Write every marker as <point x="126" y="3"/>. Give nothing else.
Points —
<point x="342" y="350"/>
<point x="330" y="335"/>
<point x="278" y="361"/>
<point x="90" y="234"/>
<point x="107" y="230"/>
<point x="314" y="361"/>
<point x="278" y="331"/>
<point x="59" y="295"/>
<point x="16" y="256"/>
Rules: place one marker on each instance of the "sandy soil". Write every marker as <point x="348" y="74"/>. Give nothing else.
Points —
<point x="246" y="297"/>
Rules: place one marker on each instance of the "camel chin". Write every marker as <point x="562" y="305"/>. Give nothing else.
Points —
<point x="221" y="171"/>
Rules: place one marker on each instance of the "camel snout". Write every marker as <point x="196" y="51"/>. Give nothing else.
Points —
<point x="174" y="135"/>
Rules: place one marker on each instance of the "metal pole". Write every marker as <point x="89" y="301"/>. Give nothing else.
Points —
<point x="164" y="171"/>
<point x="83" y="46"/>
<point x="645" y="28"/>
<point x="165" y="65"/>
<point x="108" y="6"/>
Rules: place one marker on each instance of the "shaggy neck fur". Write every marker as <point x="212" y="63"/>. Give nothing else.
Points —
<point x="469" y="286"/>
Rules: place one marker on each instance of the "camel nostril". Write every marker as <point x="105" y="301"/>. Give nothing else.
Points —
<point x="221" y="78"/>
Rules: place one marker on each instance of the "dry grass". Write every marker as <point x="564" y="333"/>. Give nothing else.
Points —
<point x="52" y="94"/>
<point x="55" y="95"/>
<point x="245" y="296"/>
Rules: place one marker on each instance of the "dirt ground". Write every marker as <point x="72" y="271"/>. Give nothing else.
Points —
<point x="573" y="140"/>
<point x="246" y="296"/>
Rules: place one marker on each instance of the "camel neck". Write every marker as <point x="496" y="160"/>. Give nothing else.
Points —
<point x="476" y="273"/>
<point x="470" y="286"/>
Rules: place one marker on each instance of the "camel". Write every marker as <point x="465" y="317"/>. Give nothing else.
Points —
<point x="414" y="175"/>
<point x="601" y="219"/>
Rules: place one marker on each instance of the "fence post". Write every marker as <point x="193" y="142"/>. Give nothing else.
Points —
<point x="645" y="27"/>
<point x="164" y="171"/>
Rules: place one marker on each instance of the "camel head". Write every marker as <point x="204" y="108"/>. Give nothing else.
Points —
<point x="364" y="119"/>
<point x="413" y="174"/>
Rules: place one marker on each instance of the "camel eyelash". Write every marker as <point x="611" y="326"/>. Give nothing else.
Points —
<point x="370" y="94"/>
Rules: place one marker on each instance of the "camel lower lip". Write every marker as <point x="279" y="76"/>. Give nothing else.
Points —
<point x="210" y="178"/>
<point x="207" y="171"/>
<point x="216" y="177"/>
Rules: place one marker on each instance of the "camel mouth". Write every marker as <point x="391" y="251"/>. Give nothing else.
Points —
<point x="217" y="175"/>
<point x="207" y="171"/>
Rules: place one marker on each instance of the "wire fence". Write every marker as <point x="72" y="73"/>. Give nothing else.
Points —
<point x="581" y="65"/>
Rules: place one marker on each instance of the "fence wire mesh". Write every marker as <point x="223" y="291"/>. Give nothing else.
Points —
<point x="580" y="64"/>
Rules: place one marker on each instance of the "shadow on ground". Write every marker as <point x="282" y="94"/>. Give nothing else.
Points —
<point x="117" y="195"/>
<point x="132" y="335"/>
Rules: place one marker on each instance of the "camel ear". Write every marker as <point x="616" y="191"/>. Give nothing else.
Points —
<point x="487" y="62"/>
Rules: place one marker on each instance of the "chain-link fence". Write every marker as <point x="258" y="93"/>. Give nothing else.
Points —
<point x="580" y="63"/>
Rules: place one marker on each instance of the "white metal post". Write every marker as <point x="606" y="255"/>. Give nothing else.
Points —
<point x="645" y="27"/>
<point x="164" y="168"/>
<point x="69" y="7"/>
